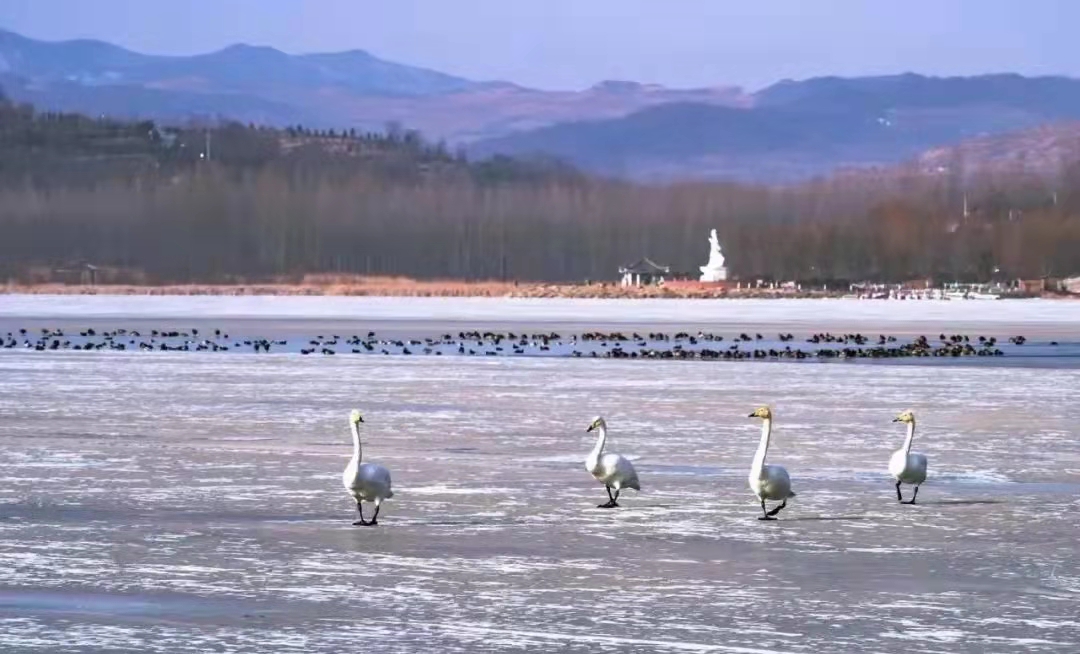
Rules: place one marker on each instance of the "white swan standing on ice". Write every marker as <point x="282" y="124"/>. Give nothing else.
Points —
<point x="366" y="482"/>
<point x="905" y="466"/>
<point x="611" y="470"/>
<point x="769" y="482"/>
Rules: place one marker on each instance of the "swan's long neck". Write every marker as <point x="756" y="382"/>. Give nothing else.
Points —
<point x="910" y="437"/>
<point x="356" y="442"/>
<point x="600" y="440"/>
<point x="763" y="445"/>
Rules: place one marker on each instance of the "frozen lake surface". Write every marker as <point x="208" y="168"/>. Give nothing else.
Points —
<point x="795" y="315"/>
<point x="183" y="503"/>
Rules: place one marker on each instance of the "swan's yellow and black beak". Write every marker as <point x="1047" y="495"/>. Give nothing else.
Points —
<point x="752" y="415"/>
<point x="590" y="428"/>
<point x="897" y="420"/>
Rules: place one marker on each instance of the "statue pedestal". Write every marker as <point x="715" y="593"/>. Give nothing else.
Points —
<point x="718" y="274"/>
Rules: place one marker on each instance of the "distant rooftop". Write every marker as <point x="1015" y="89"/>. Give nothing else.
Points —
<point x="645" y="265"/>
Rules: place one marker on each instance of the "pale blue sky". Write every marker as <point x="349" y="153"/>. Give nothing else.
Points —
<point x="575" y="43"/>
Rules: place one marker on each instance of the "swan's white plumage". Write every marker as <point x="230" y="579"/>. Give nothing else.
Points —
<point x="906" y="466"/>
<point x="366" y="482"/>
<point x="612" y="470"/>
<point x="771" y="483"/>
<point x="768" y="481"/>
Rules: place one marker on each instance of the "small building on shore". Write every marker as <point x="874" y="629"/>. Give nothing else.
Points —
<point x="84" y="274"/>
<point x="644" y="272"/>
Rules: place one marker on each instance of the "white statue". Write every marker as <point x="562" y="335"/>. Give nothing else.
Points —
<point x="714" y="271"/>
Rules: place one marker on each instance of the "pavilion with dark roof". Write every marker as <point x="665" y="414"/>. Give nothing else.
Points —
<point x="644" y="272"/>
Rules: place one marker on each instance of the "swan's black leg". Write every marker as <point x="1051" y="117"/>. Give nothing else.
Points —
<point x="611" y="500"/>
<point x="375" y="518"/>
<point x="361" y="522"/>
<point x="899" y="497"/>
<point x="615" y="500"/>
<point x="912" y="496"/>
<point x="765" y="512"/>
<point x="777" y="509"/>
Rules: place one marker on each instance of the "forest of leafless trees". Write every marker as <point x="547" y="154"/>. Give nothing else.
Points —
<point x="268" y="203"/>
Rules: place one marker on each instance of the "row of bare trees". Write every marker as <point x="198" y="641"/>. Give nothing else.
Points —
<point x="401" y="210"/>
<point x="214" y="225"/>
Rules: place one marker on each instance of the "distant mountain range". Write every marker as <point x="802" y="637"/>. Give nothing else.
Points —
<point x="793" y="130"/>
<point x="264" y="85"/>
<point x="786" y="132"/>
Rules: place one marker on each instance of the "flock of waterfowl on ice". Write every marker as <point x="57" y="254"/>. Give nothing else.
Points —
<point x="613" y="345"/>
<point x="370" y="482"/>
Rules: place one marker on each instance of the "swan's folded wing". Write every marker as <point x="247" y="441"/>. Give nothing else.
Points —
<point x="374" y="475"/>
<point x="628" y="474"/>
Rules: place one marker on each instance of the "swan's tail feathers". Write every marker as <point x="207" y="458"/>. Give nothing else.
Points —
<point x="635" y="485"/>
<point x="791" y="494"/>
<point x="389" y="494"/>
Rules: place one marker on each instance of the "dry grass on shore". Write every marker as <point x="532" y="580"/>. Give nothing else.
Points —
<point x="358" y="286"/>
<point x="355" y="285"/>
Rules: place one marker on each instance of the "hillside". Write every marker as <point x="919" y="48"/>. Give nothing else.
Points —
<point x="794" y="130"/>
<point x="262" y="85"/>
<point x="1042" y="151"/>
<point x="46" y="150"/>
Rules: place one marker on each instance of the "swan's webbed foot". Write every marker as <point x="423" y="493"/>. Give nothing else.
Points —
<point x="777" y="509"/>
<point x="913" y="496"/>
<point x="361" y="522"/>
<point x="367" y="523"/>
<point x="611" y="503"/>
<point x="765" y="513"/>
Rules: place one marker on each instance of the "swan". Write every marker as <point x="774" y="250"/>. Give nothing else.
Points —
<point x="905" y="466"/>
<point x="769" y="482"/>
<point x="366" y="482"/>
<point x="611" y="470"/>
